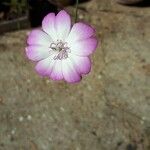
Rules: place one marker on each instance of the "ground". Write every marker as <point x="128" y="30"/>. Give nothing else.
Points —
<point x="108" y="110"/>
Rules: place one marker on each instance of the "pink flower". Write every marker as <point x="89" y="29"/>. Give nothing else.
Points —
<point x="61" y="52"/>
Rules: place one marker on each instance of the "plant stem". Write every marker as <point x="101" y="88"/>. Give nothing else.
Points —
<point x="76" y="11"/>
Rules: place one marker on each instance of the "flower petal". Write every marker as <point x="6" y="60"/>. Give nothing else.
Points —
<point x="37" y="53"/>
<point x="45" y="66"/>
<point x="56" y="73"/>
<point x="39" y="37"/>
<point x="84" y="47"/>
<point x="69" y="72"/>
<point x="48" y="25"/>
<point x="81" y="64"/>
<point x="63" y="24"/>
<point x="80" y="31"/>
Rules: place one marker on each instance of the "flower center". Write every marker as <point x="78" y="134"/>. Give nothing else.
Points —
<point x="61" y="48"/>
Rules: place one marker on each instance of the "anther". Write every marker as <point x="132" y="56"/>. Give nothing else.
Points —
<point x="61" y="48"/>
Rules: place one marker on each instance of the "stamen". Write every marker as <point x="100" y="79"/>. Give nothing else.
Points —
<point x="53" y="46"/>
<point x="61" y="48"/>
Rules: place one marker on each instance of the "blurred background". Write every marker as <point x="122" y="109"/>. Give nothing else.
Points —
<point x="108" y="110"/>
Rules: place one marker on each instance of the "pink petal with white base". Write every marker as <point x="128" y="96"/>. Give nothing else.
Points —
<point x="56" y="73"/>
<point x="69" y="72"/>
<point x="81" y="64"/>
<point x="37" y="53"/>
<point x="63" y="24"/>
<point x="39" y="37"/>
<point x="84" y="47"/>
<point x="45" y="66"/>
<point x="61" y="52"/>
<point x="48" y="25"/>
<point x="80" y="31"/>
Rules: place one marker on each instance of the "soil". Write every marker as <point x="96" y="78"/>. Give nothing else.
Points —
<point x="108" y="110"/>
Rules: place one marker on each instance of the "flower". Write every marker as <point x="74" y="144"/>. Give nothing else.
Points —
<point x="61" y="52"/>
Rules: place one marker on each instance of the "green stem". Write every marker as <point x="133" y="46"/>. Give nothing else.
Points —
<point x="76" y="11"/>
